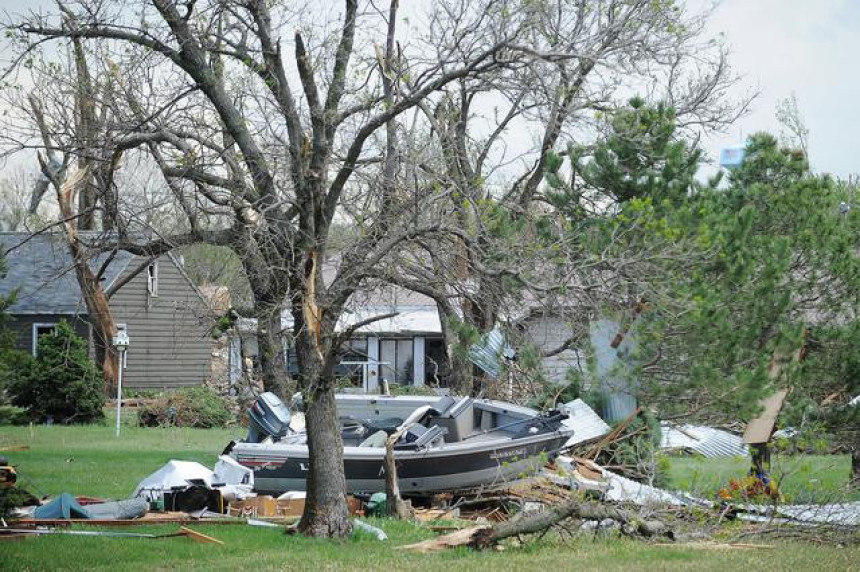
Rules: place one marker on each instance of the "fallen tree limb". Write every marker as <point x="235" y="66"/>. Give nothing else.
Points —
<point x="482" y="537"/>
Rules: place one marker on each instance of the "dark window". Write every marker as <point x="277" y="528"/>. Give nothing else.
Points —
<point x="436" y="363"/>
<point x="152" y="279"/>
<point x="40" y="330"/>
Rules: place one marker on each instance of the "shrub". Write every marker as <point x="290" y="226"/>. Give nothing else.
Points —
<point x="10" y="415"/>
<point x="188" y="407"/>
<point x="61" y="382"/>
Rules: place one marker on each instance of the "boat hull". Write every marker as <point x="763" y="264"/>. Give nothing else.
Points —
<point x="451" y="467"/>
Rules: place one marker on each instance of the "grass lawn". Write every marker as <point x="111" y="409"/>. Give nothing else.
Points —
<point x="91" y="461"/>
<point x="801" y="478"/>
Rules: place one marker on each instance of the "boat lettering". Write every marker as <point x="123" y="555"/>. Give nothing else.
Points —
<point x="507" y="454"/>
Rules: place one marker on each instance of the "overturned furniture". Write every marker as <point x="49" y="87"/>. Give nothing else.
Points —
<point x="451" y="443"/>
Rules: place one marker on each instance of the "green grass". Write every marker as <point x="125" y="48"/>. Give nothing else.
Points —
<point x="269" y="549"/>
<point x="91" y="461"/>
<point x="801" y="478"/>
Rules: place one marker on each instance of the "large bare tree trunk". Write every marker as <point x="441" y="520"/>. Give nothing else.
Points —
<point x="326" y="512"/>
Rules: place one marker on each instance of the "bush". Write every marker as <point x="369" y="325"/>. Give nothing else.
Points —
<point x="10" y="415"/>
<point x="188" y="407"/>
<point x="60" y="383"/>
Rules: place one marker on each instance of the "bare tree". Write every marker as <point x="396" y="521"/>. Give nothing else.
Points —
<point x="586" y="59"/>
<point x="266" y="143"/>
<point x="205" y="89"/>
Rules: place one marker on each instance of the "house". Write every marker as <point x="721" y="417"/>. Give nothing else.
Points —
<point x="164" y="314"/>
<point x="406" y="349"/>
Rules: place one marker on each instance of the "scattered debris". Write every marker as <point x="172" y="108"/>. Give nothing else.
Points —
<point x="702" y="440"/>
<point x="20" y="448"/>
<point x="173" y="474"/>
<point x="377" y="532"/>
<point x="760" y="429"/>
<point x="64" y="506"/>
<point x="586" y="424"/>
<point x="183" y="531"/>
<point x="199" y="536"/>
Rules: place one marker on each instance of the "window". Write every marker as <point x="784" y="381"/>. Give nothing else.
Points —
<point x="40" y="330"/>
<point x="353" y="360"/>
<point x="396" y="357"/>
<point x="152" y="279"/>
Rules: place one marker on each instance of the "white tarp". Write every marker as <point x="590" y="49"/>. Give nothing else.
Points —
<point x="173" y="474"/>
<point x="228" y="471"/>
<point x="233" y="480"/>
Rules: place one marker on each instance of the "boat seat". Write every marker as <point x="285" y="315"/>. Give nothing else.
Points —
<point x="458" y="419"/>
<point x="420" y="436"/>
<point x="378" y="439"/>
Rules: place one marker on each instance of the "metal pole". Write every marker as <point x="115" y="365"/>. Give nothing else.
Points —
<point x="119" y="392"/>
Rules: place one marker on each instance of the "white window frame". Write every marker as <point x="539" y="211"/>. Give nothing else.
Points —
<point x="152" y="279"/>
<point x="35" y="331"/>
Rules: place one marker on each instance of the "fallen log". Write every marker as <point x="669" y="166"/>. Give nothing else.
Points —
<point x="482" y="537"/>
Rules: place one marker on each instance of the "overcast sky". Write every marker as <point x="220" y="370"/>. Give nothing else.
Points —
<point x="810" y="48"/>
<point x="805" y="47"/>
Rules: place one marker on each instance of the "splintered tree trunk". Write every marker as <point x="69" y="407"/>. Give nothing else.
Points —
<point x="98" y="308"/>
<point x="395" y="504"/>
<point x="326" y="512"/>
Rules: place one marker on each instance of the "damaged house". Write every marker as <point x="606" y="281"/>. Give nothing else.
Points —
<point x="165" y="315"/>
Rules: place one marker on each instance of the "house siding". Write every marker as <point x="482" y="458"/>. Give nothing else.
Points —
<point x="170" y="343"/>
<point x="548" y="333"/>
<point x="21" y="326"/>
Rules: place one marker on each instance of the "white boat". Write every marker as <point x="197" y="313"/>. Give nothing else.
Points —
<point x="452" y="444"/>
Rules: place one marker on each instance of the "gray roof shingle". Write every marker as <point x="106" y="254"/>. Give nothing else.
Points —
<point x="40" y="267"/>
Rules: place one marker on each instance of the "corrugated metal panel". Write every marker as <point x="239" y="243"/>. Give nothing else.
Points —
<point x="487" y="353"/>
<point x="614" y="369"/>
<point x="622" y="489"/>
<point x="706" y="441"/>
<point x="586" y="424"/>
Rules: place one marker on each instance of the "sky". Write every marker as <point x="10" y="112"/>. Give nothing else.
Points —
<point x="808" y="48"/>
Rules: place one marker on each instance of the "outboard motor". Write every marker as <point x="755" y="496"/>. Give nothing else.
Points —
<point x="268" y="416"/>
